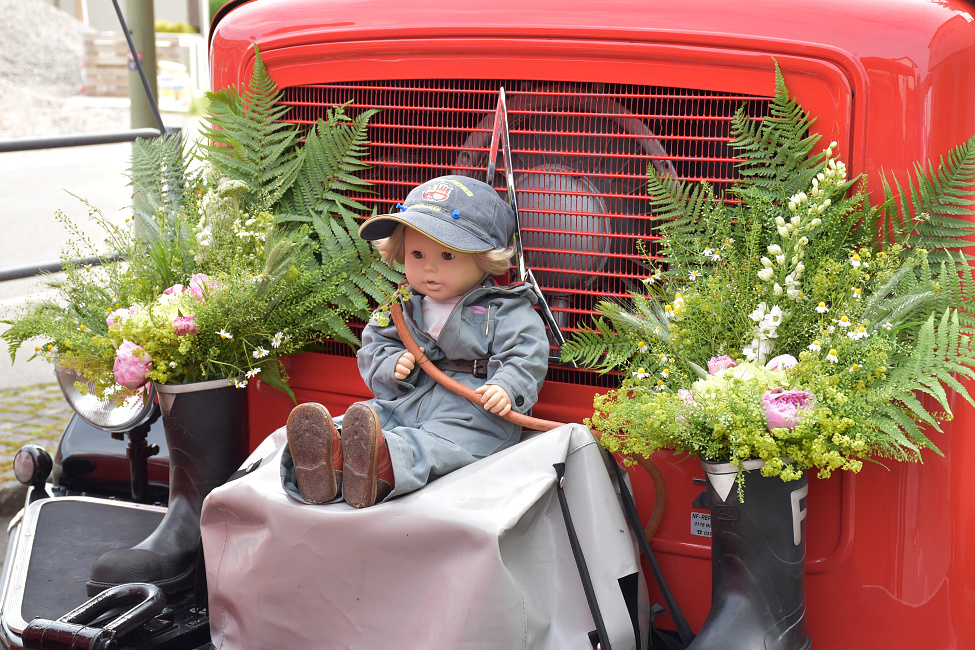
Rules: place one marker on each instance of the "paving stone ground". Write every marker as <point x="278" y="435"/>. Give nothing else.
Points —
<point x="32" y="414"/>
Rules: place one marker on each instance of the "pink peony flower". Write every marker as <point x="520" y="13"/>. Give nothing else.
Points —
<point x="131" y="365"/>
<point x="687" y="396"/>
<point x="199" y="283"/>
<point x="783" y="407"/>
<point x="174" y="290"/>
<point x="782" y="362"/>
<point x="718" y="364"/>
<point x="184" y="325"/>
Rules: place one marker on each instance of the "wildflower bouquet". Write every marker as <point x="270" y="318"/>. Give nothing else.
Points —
<point x="797" y="322"/>
<point x="230" y="265"/>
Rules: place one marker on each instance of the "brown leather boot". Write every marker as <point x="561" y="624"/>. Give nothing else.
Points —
<point x="317" y="452"/>
<point x="368" y="470"/>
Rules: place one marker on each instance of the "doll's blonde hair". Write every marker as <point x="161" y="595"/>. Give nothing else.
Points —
<point x="393" y="251"/>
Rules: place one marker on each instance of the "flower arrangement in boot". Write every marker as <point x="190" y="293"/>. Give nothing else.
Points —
<point x="453" y="233"/>
<point x="797" y="324"/>
<point x="229" y="265"/>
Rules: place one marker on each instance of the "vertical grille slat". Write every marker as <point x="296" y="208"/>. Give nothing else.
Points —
<point x="580" y="152"/>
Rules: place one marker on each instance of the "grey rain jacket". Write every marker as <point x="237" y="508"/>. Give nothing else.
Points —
<point x="429" y="430"/>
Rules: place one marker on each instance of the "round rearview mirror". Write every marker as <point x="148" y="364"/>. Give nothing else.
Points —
<point x="111" y="415"/>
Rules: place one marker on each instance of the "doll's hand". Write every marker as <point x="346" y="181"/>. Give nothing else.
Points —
<point x="495" y="399"/>
<point x="405" y="365"/>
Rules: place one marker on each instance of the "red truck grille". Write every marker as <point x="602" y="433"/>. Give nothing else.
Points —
<point x="580" y="153"/>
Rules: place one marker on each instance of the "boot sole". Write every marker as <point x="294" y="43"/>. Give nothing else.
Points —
<point x="310" y="438"/>
<point x="360" y="448"/>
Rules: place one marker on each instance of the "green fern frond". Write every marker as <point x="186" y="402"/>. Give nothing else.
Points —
<point x="332" y="156"/>
<point x="929" y="212"/>
<point x="249" y="142"/>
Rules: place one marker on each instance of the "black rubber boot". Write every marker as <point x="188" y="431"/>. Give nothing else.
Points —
<point x="206" y="430"/>
<point x="758" y="558"/>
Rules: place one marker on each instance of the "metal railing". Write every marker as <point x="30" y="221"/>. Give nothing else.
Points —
<point x="82" y="140"/>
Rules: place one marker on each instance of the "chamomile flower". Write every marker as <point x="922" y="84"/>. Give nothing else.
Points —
<point x="240" y="383"/>
<point x="853" y="368"/>
<point x="858" y="333"/>
<point x="641" y="346"/>
<point x="253" y="372"/>
<point x="660" y="384"/>
<point x="224" y="334"/>
<point x="641" y="373"/>
<point x="855" y="260"/>
<point x="844" y="321"/>
<point x="822" y="308"/>
<point x="665" y="373"/>
<point x="815" y="346"/>
<point x="694" y="275"/>
<point x="653" y="278"/>
<point x="832" y="356"/>
<point x="260" y="353"/>
<point x="857" y="293"/>
<point x="277" y="339"/>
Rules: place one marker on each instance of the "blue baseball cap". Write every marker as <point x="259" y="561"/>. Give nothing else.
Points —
<point x="457" y="212"/>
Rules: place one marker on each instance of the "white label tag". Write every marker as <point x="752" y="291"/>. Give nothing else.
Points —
<point x="701" y="524"/>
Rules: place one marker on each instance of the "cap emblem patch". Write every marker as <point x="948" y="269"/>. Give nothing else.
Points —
<point x="438" y="192"/>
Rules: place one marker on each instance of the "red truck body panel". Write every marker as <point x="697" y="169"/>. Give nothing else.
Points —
<point x="891" y="551"/>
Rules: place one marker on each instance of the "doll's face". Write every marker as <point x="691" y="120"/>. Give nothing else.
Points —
<point x="436" y="271"/>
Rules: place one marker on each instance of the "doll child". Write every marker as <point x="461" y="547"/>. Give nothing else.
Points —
<point x="452" y="235"/>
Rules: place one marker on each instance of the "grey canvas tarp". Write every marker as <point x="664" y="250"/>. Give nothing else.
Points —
<point x="477" y="559"/>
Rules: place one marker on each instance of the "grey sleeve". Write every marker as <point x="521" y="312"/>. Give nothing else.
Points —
<point x="519" y="354"/>
<point x="381" y="348"/>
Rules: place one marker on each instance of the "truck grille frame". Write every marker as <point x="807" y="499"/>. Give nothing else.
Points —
<point x="580" y="157"/>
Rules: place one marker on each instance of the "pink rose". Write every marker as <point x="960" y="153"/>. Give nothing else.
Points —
<point x="782" y="362"/>
<point x="184" y="325"/>
<point x="132" y="363"/>
<point x="718" y="364"/>
<point x="783" y="407"/>
<point x="174" y="290"/>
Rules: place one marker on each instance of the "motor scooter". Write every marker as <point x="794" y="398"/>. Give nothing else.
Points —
<point x="105" y="488"/>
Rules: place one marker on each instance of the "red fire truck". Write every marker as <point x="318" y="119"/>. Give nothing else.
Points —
<point x="595" y="93"/>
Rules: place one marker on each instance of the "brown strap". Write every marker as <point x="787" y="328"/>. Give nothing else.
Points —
<point x="527" y="422"/>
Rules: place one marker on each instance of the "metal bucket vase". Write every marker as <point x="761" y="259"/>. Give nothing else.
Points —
<point x="758" y="562"/>
<point x="207" y="434"/>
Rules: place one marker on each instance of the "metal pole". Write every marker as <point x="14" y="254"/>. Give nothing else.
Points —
<point x="141" y="38"/>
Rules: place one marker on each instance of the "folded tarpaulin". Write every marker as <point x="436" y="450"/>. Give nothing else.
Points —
<point x="479" y="558"/>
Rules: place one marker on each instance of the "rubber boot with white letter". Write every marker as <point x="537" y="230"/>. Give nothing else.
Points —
<point x="758" y="555"/>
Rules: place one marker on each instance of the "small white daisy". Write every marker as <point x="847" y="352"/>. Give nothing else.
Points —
<point x="832" y="356"/>
<point x="857" y="293"/>
<point x="253" y="372"/>
<point x="260" y="353"/>
<point x="641" y="373"/>
<point x="277" y="339"/>
<point x="224" y="334"/>
<point x="844" y="321"/>
<point x="822" y="308"/>
<point x="694" y="275"/>
<point x="855" y="260"/>
<point x="815" y="346"/>
<point x="857" y="334"/>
